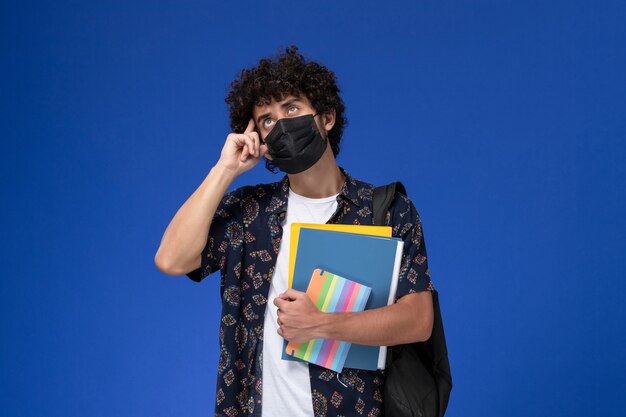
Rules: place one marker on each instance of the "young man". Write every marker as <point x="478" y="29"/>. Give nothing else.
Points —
<point x="289" y="111"/>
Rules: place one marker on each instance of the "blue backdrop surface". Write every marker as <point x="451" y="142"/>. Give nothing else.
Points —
<point x="504" y="119"/>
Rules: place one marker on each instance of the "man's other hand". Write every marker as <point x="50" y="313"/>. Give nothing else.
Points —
<point x="298" y="318"/>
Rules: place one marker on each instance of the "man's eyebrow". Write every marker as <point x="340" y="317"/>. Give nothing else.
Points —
<point x="289" y="102"/>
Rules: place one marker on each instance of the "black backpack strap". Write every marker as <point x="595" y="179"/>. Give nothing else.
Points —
<point x="382" y="198"/>
<point x="418" y="380"/>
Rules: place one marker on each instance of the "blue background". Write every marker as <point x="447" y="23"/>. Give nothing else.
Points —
<point x="504" y="119"/>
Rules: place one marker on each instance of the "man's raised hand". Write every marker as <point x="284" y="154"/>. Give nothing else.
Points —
<point x="242" y="151"/>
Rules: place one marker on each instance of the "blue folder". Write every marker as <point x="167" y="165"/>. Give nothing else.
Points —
<point x="369" y="260"/>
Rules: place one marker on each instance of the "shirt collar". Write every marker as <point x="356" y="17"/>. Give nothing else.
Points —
<point x="350" y="190"/>
<point x="278" y="204"/>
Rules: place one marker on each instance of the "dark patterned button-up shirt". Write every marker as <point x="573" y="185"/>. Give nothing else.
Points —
<point x="243" y="244"/>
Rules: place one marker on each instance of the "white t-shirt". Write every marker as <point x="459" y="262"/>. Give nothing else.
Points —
<point x="286" y="384"/>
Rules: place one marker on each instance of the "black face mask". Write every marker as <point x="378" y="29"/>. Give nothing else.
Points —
<point x="295" y="143"/>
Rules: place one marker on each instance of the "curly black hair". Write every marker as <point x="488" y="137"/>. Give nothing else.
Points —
<point x="288" y="73"/>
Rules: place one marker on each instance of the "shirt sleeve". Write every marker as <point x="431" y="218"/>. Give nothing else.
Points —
<point x="226" y="228"/>
<point x="406" y="224"/>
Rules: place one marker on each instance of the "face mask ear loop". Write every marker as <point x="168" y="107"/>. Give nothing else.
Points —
<point x="325" y="138"/>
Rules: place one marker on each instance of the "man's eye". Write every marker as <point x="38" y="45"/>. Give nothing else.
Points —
<point x="292" y="109"/>
<point x="267" y="122"/>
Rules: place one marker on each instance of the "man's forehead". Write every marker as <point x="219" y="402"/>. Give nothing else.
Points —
<point x="268" y="101"/>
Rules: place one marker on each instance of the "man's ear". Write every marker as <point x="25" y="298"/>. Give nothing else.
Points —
<point x="328" y="118"/>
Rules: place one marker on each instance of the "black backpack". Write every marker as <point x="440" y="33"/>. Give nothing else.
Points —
<point x="418" y="380"/>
